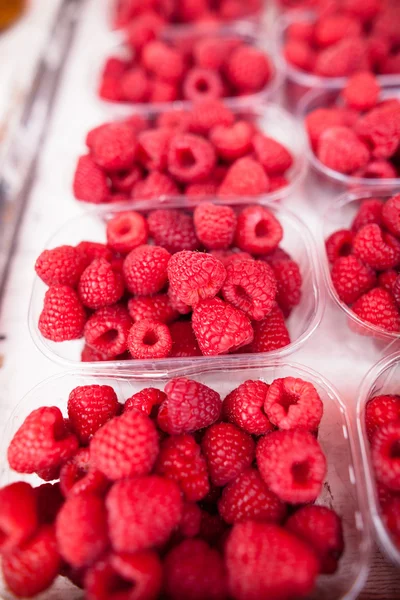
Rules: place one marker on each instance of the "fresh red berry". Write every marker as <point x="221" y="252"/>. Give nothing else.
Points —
<point x="149" y="339"/>
<point x="362" y="91"/>
<point x="207" y="114"/>
<point x="391" y="215"/>
<point x="124" y="181"/>
<point x="156" y="185"/>
<point x="153" y="308"/>
<point x="232" y="142"/>
<point x="248" y="69"/>
<point x="163" y="91"/>
<point x="145" y="270"/>
<point x="63" y="316"/>
<point x="299" y="54"/>
<point x="342" y="59"/>
<point x="379" y="411"/>
<point x="152" y="152"/>
<point x="351" y="278"/>
<point x="244" y="407"/>
<point x="273" y="156"/>
<point x="340" y="149"/>
<point x="114" y="146"/>
<point x="339" y="244"/>
<point x="195" y="276"/>
<point x="100" y="285"/>
<point x="106" y="331"/>
<point x="144" y="28"/>
<point x="202" y="85"/>
<point x="319" y="120"/>
<point x="184" y="341"/>
<point x="385" y="455"/>
<point x="215" y="225"/>
<point x="210" y="52"/>
<point x="331" y="29"/>
<point x="289" y="281"/>
<point x="90" y="182"/>
<point x="78" y="476"/>
<point x="163" y="61"/>
<point x="387" y="281"/>
<point x="89" y="408"/>
<point x="370" y="211"/>
<point x="146" y="400"/>
<point x="258" y="231"/>
<point x="270" y="333"/>
<point x="378" y="308"/>
<point x="177" y="304"/>
<point x="18" y="515"/>
<point x="126" y="231"/>
<point x="380" y="128"/>
<point x="292" y="403"/>
<point x="246" y="177"/>
<point x="92" y="250"/>
<point x="60" y="266"/>
<point x="201" y="190"/>
<point x="375" y="248"/>
<point x="190" y="158"/>
<point x="173" y="230"/>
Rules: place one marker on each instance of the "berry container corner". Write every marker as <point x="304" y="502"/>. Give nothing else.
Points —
<point x="383" y="378"/>
<point x="343" y="488"/>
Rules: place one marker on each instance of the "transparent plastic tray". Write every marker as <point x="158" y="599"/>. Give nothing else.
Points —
<point x="383" y="378"/>
<point x="343" y="489"/>
<point x="91" y="226"/>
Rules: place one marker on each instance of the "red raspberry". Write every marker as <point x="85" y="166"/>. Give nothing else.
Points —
<point x="378" y="307"/>
<point x="60" y="266"/>
<point x="228" y="256"/>
<point x="100" y="285"/>
<point x="380" y="128"/>
<point x="378" y="169"/>
<point x="147" y="400"/>
<point x="190" y="406"/>
<point x="334" y="28"/>
<point x="265" y="561"/>
<point x="18" y="515"/>
<point x="219" y="327"/>
<point x="92" y="250"/>
<point x="149" y="339"/>
<point x="153" y="308"/>
<point x="177" y="304"/>
<point x="90" y="182"/>
<point x="370" y="211"/>
<point x="351" y="278"/>
<point x="184" y="341"/>
<point x="106" y="332"/>
<point x="126" y="446"/>
<point x="195" y="190"/>
<point x="375" y="248"/>
<point x="340" y="149"/>
<point x="391" y="215"/>
<point x="228" y="451"/>
<point x="342" y="59"/>
<point x="156" y="185"/>
<point x="145" y="270"/>
<point x="202" y="85"/>
<point x="162" y="91"/>
<point x="277" y="183"/>
<point x="362" y="91"/>
<point x="126" y="231"/>
<point x="271" y="333"/>
<point x="180" y="459"/>
<point x="194" y="276"/>
<point x="78" y="476"/>
<point x="396" y="291"/>
<point x="215" y="225"/>
<point x="339" y="244"/>
<point x="232" y="142"/>
<point x="89" y="408"/>
<point x="293" y="404"/>
<point x="244" y="407"/>
<point x="192" y="10"/>
<point x="174" y="119"/>
<point x="163" y="61"/>
<point x="81" y="530"/>
<point x="63" y="316"/>
<point x="321" y="529"/>
<point x="211" y="52"/>
<point x="379" y="411"/>
<point x="191" y="520"/>
<point x="190" y="158"/>
<point x="248" y="69"/>
<point x="299" y="54"/>
<point x="195" y="571"/>
<point x="144" y="28"/>
<point x="114" y="67"/>
<point x="114" y="146"/>
<point x="258" y="231"/>
<point x="32" y="568"/>
<point x="385" y="455"/>
<point x="133" y="86"/>
<point x="142" y="512"/>
<point x="245" y="177"/>
<point x="110" y="88"/>
<point x="319" y="120"/>
<point x="272" y="155"/>
<point x="173" y="230"/>
<point x="391" y="517"/>
<point x="124" y="181"/>
<point x="289" y="282"/>
<point x="387" y="280"/>
<point x="207" y="114"/>
<point x="42" y="442"/>
<point x="152" y="150"/>
<point x="292" y="464"/>
<point x="251" y="286"/>
<point x="300" y="30"/>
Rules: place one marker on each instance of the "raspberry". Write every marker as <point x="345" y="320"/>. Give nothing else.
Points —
<point x="146" y="400"/>
<point x="190" y="158"/>
<point x="248" y="70"/>
<point x="292" y="464"/>
<point x="265" y="561"/>
<point x="340" y="149"/>
<point x="153" y="308"/>
<point x="289" y="282"/>
<point x="174" y="119"/>
<point x="362" y="91"/>
<point x="387" y="279"/>
<point x="149" y="339"/>
<point x="190" y="521"/>
<point x="201" y="85"/>
<point x="89" y="408"/>
<point x="391" y="517"/>
<point x="244" y="407"/>
<point x="90" y="182"/>
<point x="142" y="512"/>
<point x="177" y="304"/>
<point x="385" y="455"/>
<point x="100" y="285"/>
<point x="319" y="120"/>
<point x="250" y="286"/>
<point x="342" y="59"/>
<point x="211" y="52"/>
<point x="195" y="276"/>
<point x="332" y="29"/>
<point x="370" y="211"/>
<point x="106" y="332"/>
<point x="173" y="230"/>
<point x="207" y="114"/>
<point x="321" y="528"/>
<point x="153" y="147"/>
<point x="351" y="278"/>
<point x="145" y="270"/>
<point x="245" y="177"/>
<point x="126" y="446"/>
<point x="156" y="185"/>
<point x="60" y="266"/>
<point x="81" y="530"/>
<point x="18" y="515"/>
<point x="113" y="67"/>
<point x="391" y="215"/>
<point x="257" y="231"/>
<point x="228" y="451"/>
<point x="78" y="476"/>
<point x="380" y="128"/>
<point x="114" y="146"/>
<point x="195" y="190"/>
<point x="219" y="327"/>
<point x="184" y="341"/>
<point x="299" y="54"/>
<point x="379" y="411"/>
<point x="215" y="225"/>
<point x="134" y="86"/>
<point x="248" y="498"/>
<point x="92" y="250"/>
<point x="192" y="10"/>
<point x="378" y="169"/>
<point x="396" y="291"/>
<point x="144" y="28"/>
<point x="190" y="406"/>
<point x="300" y="30"/>
<point x="124" y="181"/>
<point x="272" y="155"/>
<point x="126" y="231"/>
<point x="293" y="404"/>
<point x="375" y="248"/>
<point x="232" y="142"/>
<point x="195" y="571"/>
<point x="163" y="91"/>
<point x="62" y="317"/>
<point x="339" y="244"/>
<point x="180" y="459"/>
<point x="271" y="333"/>
<point x="42" y="442"/>
<point x="110" y="88"/>
<point x="32" y="568"/>
<point x="163" y="61"/>
<point x="378" y="307"/>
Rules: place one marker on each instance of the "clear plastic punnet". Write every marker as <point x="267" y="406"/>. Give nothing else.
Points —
<point x="343" y="488"/>
<point x="383" y="378"/>
<point x="297" y="241"/>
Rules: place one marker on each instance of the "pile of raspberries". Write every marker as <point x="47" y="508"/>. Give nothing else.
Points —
<point x="205" y="151"/>
<point x="365" y="263"/>
<point x="149" y="17"/>
<point x="360" y="134"/>
<point x="348" y="36"/>
<point x="174" y="494"/>
<point x="213" y="281"/>
<point x="206" y="68"/>
<point x="382" y="422"/>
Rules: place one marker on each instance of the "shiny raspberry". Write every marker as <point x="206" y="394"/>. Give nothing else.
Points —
<point x="273" y="156"/>
<point x="342" y="59"/>
<point x="370" y="211"/>
<point x="173" y="230"/>
<point x="270" y="333"/>
<point x="90" y="182"/>
<point x="190" y="158"/>
<point x="100" y="285"/>
<point x="147" y="400"/>
<point x="154" y="308"/>
<point x="385" y="455"/>
<point x="258" y="231"/>
<point x="292" y="403"/>
<point x="144" y="28"/>
<point x="331" y="29"/>
<point x="380" y="128"/>
<point x="378" y="169"/>
<point x="196" y="190"/>
<point x="362" y="91"/>
<point x="210" y="52"/>
<point x="163" y="60"/>
<point x="195" y="276"/>
<point x="89" y="408"/>
<point x="124" y="181"/>
<point x="387" y="281"/>
<point x="60" y="266"/>
<point x="152" y="152"/>
<point x="375" y="248"/>
<point x="107" y="331"/>
<point x="244" y="407"/>
<point x="18" y="515"/>
<point x="215" y="225"/>
<point x="207" y="114"/>
<point x="78" y="476"/>
<point x="378" y="308"/>
<point x="292" y="464"/>
<point x="248" y="69"/>
<point x="351" y="278"/>
<point x="92" y="250"/>
<point x="299" y="54"/>
<point x="341" y="150"/>
<point x="177" y="304"/>
<point x="232" y="142"/>
<point x="391" y="215"/>
<point x="145" y="270"/>
<point x="156" y="185"/>
<point x="126" y="231"/>
<point x="319" y="120"/>
<point x="149" y="339"/>
<point x="202" y="85"/>
<point x="63" y="316"/>
<point x="289" y="281"/>
<point x="379" y="411"/>
<point x="184" y="341"/>
<point x="338" y="244"/>
<point x="163" y="91"/>
<point x="246" y="177"/>
<point x="133" y="86"/>
<point x="114" y="146"/>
